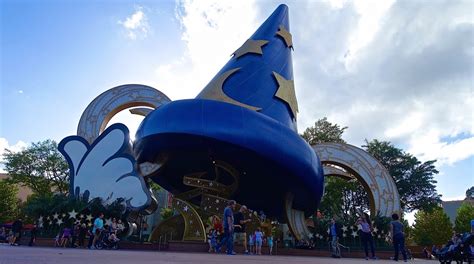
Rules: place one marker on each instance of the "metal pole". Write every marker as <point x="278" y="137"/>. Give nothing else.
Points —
<point x="141" y="229"/>
<point x="159" y="244"/>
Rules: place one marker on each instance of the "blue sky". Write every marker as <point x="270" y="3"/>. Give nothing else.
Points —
<point x="59" y="52"/>
<point x="382" y="68"/>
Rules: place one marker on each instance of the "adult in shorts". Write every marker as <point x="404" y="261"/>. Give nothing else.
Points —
<point x="97" y="228"/>
<point x="239" y="232"/>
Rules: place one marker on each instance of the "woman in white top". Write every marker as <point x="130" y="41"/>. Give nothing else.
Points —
<point x="366" y="235"/>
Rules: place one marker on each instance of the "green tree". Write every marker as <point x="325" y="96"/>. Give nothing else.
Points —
<point x="464" y="216"/>
<point x="166" y="213"/>
<point x="342" y="197"/>
<point x="470" y="193"/>
<point x="40" y="167"/>
<point x="155" y="187"/>
<point x="414" y="179"/>
<point x="8" y="201"/>
<point x="323" y="131"/>
<point x="432" y="227"/>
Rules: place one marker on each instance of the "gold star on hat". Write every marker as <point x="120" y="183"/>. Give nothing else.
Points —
<point x="250" y="46"/>
<point x="286" y="36"/>
<point x="286" y="92"/>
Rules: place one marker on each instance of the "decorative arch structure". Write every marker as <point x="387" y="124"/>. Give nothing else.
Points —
<point x="100" y="111"/>
<point x="355" y="162"/>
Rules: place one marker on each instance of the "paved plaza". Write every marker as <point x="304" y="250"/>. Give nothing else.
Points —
<point x="39" y="255"/>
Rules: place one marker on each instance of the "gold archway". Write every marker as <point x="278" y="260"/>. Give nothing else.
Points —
<point x="356" y="162"/>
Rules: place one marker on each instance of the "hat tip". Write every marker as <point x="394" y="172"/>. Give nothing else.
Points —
<point x="281" y="8"/>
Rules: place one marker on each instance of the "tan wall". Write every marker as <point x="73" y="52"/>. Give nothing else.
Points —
<point x="23" y="192"/>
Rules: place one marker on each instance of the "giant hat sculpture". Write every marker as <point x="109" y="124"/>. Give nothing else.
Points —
<point x="245" y="121"/>
<point x="236" y="140"/>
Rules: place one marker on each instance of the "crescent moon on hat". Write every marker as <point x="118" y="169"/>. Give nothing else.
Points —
<point x="214" y="91"/>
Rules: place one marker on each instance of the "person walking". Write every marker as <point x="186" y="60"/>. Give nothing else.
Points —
<point x="240" y="234"/>
<point x="366" y="235"/>
<point x="335" y="231"/>
<point x="82" y="235"/>
<point x="228" y="238"/>
<point x="258" y="241"/>
<point x="270" y="244"/>
<point x="398" y="237"/>
<point x="251" y="243"/>
<point x="97" y="228"/>
<point x="33" y="233"/>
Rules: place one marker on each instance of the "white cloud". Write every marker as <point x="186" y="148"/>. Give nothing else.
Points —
<point x="387" y="70"/>
<point x="390" y="72"/>
<point x="370" y="16"/>
<point x="429" y="146"/>
<point x="14" y="148"/>
<point x="136" y="25"/>
<point x="211" y="30"/>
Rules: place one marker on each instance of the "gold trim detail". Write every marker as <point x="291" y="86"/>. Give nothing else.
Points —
<point x="214" y="91"/>
<point x="193" y="226"/>
<point x="380" y="186"/>
<point x="250" y="46"/>
<point x="286" y="36"/>
<point x="286" y="92"/>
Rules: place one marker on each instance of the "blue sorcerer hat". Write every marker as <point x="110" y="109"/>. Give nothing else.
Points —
<point x="245" y="116"/>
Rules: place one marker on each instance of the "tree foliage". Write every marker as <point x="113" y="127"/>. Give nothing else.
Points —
<point x="414" y="179"/>
<point x="464" y="216"/>
<point x="47" y="205"/>
<point x="470" y="193"/>
<point x="166" y="213"/>
<point x="323" y="131"/>
<point x="432" y="227"/>
<point x="40" y="167"/>
<point x="343" y="198"/>
<point x="8" y="201"/>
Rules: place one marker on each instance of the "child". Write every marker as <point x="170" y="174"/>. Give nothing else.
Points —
<point x="57" y="239"/>
<point x="251" y="243"/>
<point x="212" y="240"/>
<point x="258" y="241"/>
<point x="270" y="243"/>
<point x="66" y="235"/>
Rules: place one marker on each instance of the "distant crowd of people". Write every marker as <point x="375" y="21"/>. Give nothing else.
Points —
<point x="459" y="247"/>
<point x="234" y="230"/>
<point x="367" y="239"/>
<point x="13" y="236"/>
<point x="100" y="235"/>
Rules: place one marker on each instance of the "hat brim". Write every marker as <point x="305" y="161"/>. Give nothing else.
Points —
<point x="258" y="143"/>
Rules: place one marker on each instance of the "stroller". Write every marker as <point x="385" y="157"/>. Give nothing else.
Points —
<point x="459" y="253"/>
<point x="105" y="242"/>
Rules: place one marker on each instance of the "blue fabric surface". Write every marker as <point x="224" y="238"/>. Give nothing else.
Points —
<point x="263" y="145"/>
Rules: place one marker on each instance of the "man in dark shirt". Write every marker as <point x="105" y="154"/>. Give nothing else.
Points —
<point x="335" y="231"/>
<point x="239" y="222"/>
<point x="33" y="233"/>
<point x="228" y="220"/>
